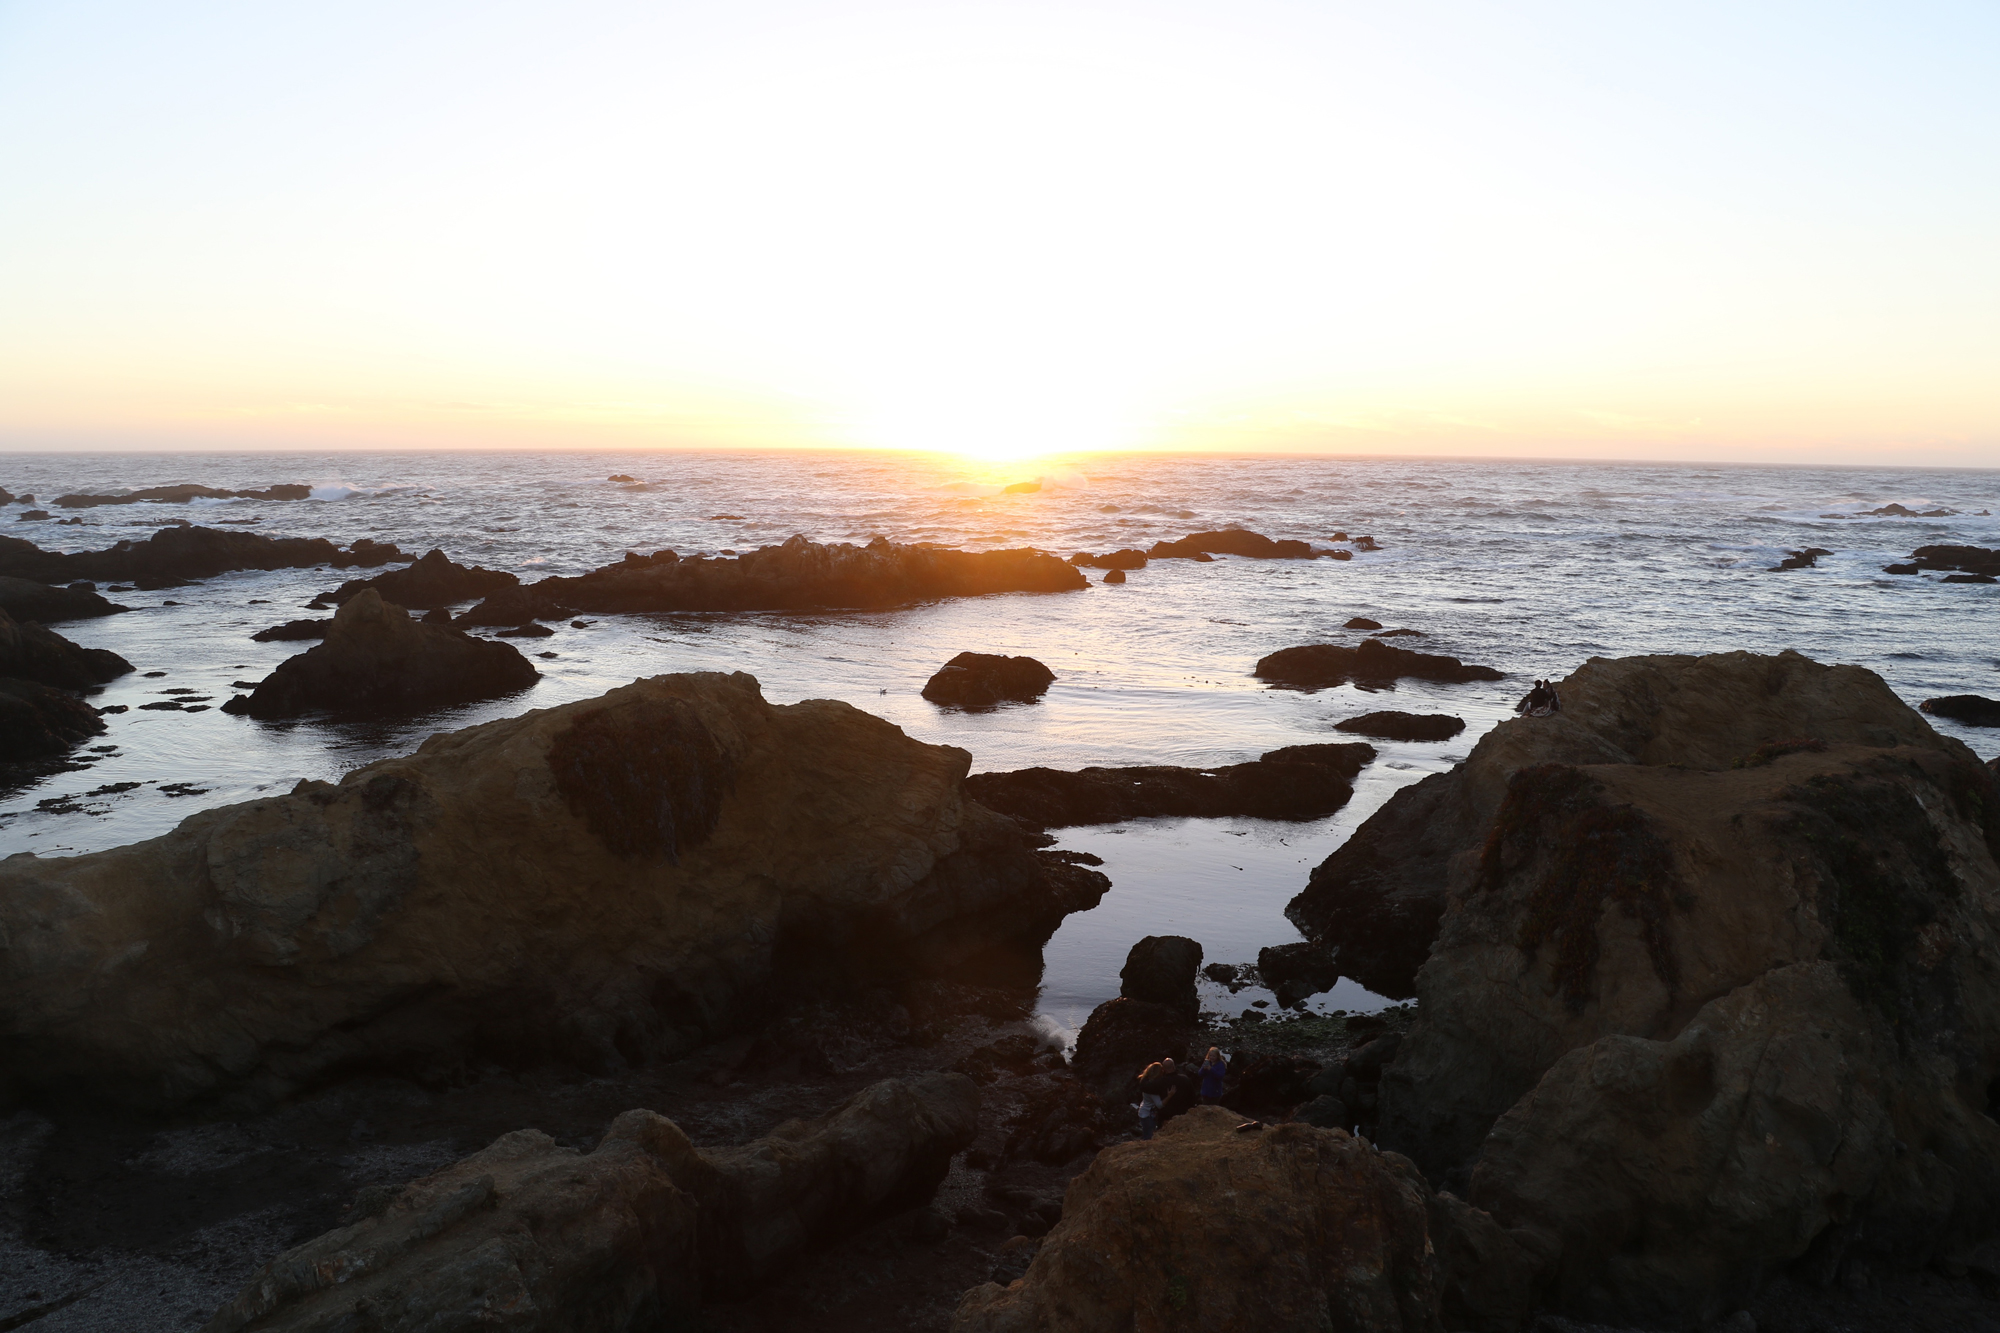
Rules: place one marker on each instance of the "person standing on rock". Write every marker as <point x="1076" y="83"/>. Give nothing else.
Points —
<point x="1214" y="1068"/>
<point x="1155" y="1082"/>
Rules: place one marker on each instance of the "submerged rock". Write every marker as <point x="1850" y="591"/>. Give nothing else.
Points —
<point x="1972" y="709"/>
<point x="1295" y="783"/>
<point x="374" y="656"/>
<point x="980" y="680"/>
<point x="1115" y="576"/>
<point x="1232" y="541"/>
<point x="1317" y="666"/>
<point x="1805" y="559"/>
<point x="595" y="884"/>
<point x="28" y="599"/>
<point x="431" y="582"/>
<point x="798" y="575"/>
<point x="534" y="1237"/>
<point x="175" y="555"/>
<point x="1394" y="726"/>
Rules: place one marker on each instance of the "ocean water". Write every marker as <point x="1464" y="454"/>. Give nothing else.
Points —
<point x="1530" y="567"/>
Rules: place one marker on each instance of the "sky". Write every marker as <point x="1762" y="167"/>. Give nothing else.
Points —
<point x="1748" y="231"/>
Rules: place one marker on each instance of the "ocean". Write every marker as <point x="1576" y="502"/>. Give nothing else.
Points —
<point x="1529" y="567"/>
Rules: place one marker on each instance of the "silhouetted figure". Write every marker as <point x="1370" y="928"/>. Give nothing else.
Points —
<point x="1540" y="701"/>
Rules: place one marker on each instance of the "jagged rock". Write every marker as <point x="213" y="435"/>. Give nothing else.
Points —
<point x="1121" y="1037"/>
<point x="1319" y="665"/>
<point x="1695" y="1017"/>
<point x="431" y="582"/>
<point x="596" y="883"/>
<point x="1295" y="783"/>
<point x="1312" y="1230"/>
<point x="1805" y="559"/>
<point x="374" y="656"/>
<point x="27" y="599"/>
<point x="1231" y="541"/>
<point x="33" y="653"/>
<point x="174" y="555"/>
<point x="1969" y="559"/>
<point x="1160" y="969"/>
<point x="182" y="493"/>
<point x="294" y="630"/>
<point x="1972" y="709"/>
<point x="530" y="1236"/>
<point x="1378" y="898"/>
<point x="1128" y="558"/>
<point x="798" y="575"/>
<point x="33" y="516"/>
<point x="1393" y="726"/>
<point x="980" y="680"/>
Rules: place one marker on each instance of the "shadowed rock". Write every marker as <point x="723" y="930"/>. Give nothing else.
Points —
<point x="38" y="722"/>
<point x="1394" y="726"/>
<point x="375" y="657"/>
<point x="1295" y="783"/>
<point x="181" y="493"/>
<point x="431" y="582"/>
<point x="1971" y="560"/>
<point x="1320" y="665"/>
<point x="1972" y="709"/>
<point x="1160" y="969"/>
<point x="1125" y="559"/>
<point x="175" y="555"/>
<point x="27" y="599"/>
<point x="980" y="680"/>
<point x="294" y="630"/>
<point x="1232" y="541"/>
<point x="33" y="653"/>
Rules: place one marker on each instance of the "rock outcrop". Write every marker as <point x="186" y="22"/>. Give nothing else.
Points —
<point x="176" y="555"/>
<point x="1232" y="541"/>
<point x="1805" y="559"/>
<point x="374" y="657"/>
<point x="1160" y="969"/>
<point x="182" y="493"/>
<point x="1974" y="563"/>
<point x="1389" y="725"/>
<point x="1129" y="558"/>
<point x="1153" y="1017"/>
<point x="1317" y="666"/>
<point x="32" y="652"/>
<point x="40" y="715"/>
<point x="1295" y="783"/>
<point x="1378" y="898"/>
<point x="799" y="575"/>
<point x="596" y="883"/>
<point x="431" y="582"/>
<point x="27" y="599"/>
<point x="294" y="631"/>
<point x="1288" y="1230"/>
<point x="530" y="1236"/>
<point x="1972" y="709"/>
<point x="981" y="680"/>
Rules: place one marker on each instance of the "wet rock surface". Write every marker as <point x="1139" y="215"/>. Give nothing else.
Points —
<point x="375" y="657"/>
<point x="981" y="680"/>
<point x="1394" y="726"/>
<point x="1294" y="783"/>
<point x="27" y="599"/>
<point x="176" y="555"/>
<point x="1322" y="665"/>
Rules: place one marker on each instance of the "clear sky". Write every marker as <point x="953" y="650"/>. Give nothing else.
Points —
<point x="1755" y="231"/>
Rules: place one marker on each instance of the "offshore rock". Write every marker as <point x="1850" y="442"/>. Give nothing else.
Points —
<point x="799" y="575"/>
<point x="181" y="493"/>
<point x="431" y="582"/>
<point x="980" y="680"/>
<point x="294" y="631"/>
<point x="1128" y="558"/>
<point x="1160" y="969"/>
<point x="28" y="599"/>
<point x="175" y="555"/>
<point x="1389" y="725"/>
<point x="375" y="657"/>
<point x="1972" y="560"/>
<point x="1378" y="898"/>
<point x="1232" y="541"/>
<point x="530" y="1236"/>
<point x="1289" y="1230"/>
<point x="597" y="883"/>
<point x="1972" y="709"/>
<point x="1298" y="782"/>
<point x="1320" y="665"/>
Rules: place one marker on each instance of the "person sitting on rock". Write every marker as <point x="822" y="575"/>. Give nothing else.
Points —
<point x="1540" y="701"/>
<point x="1214" y="1068"/>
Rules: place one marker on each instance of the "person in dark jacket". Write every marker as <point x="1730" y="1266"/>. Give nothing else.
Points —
<point x="1214" y="1068"/>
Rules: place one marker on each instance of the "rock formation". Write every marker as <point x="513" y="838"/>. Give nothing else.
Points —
<point x="1976" y="564"/>
<point x="1114" y="576"/>
<point x="375" y="657"/>
<point x="31" y="652"/>
<point x="1232" y="541"/>
<point x="1377" y="899"/>
<point x="175" y="555"/>
<point x="40" y="716"/>
<point x="1153" y="1017"/>
<point x="1362" y="622"/>
<point x="1394" y="726"/>
<point x="182" y="493"/>
<point x="431" y="582"/>
<point x="1317" y="666"/>
<point x="27" y="599"/>
<point x="798" y="575"/>
<point x="538" y="1238"/>
<point x="1160" y="969"/>
<point x="1295" y="783"/>
<point x="1972" y="709"/>
<point x="981" y="680"/>
<point x="595" y="883"/>
<point x="294" y="631"/>
<point x="1805" y="559"/>
<point x="1129" y="558"/>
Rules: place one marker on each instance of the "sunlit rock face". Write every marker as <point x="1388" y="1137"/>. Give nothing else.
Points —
<point x="597" y="883"/>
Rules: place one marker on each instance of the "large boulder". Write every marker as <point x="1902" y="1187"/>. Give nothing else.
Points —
<point x="1317" y="666"/>
<point x="1725" y="1008"/>
<point x="375" y="657"/>
<point x="1160" y="969"/>
<point x="980" y="680"/>
<point x="1974" y="710"/>
<point x="529" y="1236"/>
<point x="431" y="582"/>
<point x="1389" y="725"/>
<point x="37" y="722"/>
<point x="597" y="883"/>
<point x="174" y="555"/>
<point x="1232" y="541"/>
<point x="1288" y="1230"/>
<point x="34" y="653"/>
<point x="1122" y="1036"/>
<point x="1120" y="560"/>
<point x="1377" y="899"/>
<point x="799" y="575"/>
<point x="28" y="599"/>
<point x="1297" y="782"/>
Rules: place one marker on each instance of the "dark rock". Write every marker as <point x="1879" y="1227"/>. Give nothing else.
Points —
<point x="1969" y="559"/>
<point x="1972" y="709"/>
<point x="27" y="599"/>
<point x="1320" y="665"/>
<point x="1901" y="511"/>
<point x="293" y="629"/>
<point x="1160" y="969"/>
<point x="1128" y="558"/>
<point x="1393" y="726"/>
<point x="33" y="516"/>
<point x="1270" y="1084"/>
<point x="980" y="680"/>
<point x="1115" y="576"/>
<point x="798" y="575"/>
<point x="175" y="555"/>
<point x="1800" y="559"/>
<point x="527" y="631"/>
<point x="1365" y="1065"/>
<point x="1900" y="569"/>
<point x="1231" y="541"/>
<point x="40" y="722"/>
<point x="31" y="652"/>
<point x="1122" y="1037"/>
<point x="620" y="476"/>
<point x="181" y="493"/>
<point x="431" y="582"/>
<point x="437" y="616"/>
<point x="1401" y="634"/>
<point x="1296" y="783"/>
<point x="1969" y="578"/>
<point x="1295" y="972"/>
<point x="1362" y="622"/>
<point x="1326" y="1112"/>
<point x="375" y="657"/>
